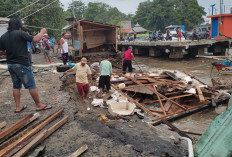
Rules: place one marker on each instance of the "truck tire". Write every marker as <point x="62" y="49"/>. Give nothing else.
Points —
<point x="63" y="68"/>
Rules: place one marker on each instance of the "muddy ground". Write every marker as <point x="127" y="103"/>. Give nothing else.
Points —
<point x="125" y="136"/>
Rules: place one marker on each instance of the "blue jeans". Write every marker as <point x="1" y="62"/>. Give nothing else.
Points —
<point x="21" y="74"/>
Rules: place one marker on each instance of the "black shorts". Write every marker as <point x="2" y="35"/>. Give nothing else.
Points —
<point x="127" y="63"/>
<point x="104" y="81"/>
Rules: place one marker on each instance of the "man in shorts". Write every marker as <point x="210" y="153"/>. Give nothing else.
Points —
<point x="105" y="74"/>
<point x="128" y="55"/>
<point x="47" y="48"/>
<point x="82" y="73"/>
<point x="18" y="61"/>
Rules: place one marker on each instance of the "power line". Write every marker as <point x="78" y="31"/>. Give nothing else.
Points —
<point x="23" y="8"/>
<point x="39" y="9"/>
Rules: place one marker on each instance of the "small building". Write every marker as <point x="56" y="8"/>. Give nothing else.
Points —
<point x="91" y="37"/>
<point x="138" y="29"/>
<point x="221" y="26"/>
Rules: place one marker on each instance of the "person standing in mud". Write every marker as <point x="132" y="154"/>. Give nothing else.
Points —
<point x="126" y="63"/>
<point x="64" y="48"/>
<point x="19" y="62"/>
<point x="82" y="73"/>
<point x="105" y="72"/>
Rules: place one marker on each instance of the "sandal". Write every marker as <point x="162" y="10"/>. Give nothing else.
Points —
<point x="46" y="107"/>
<point x="24" y="107"/>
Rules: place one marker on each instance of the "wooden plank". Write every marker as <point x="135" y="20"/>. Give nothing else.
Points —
<point x="10" y="147"/>
<point x="180" y="96"/>
<point x="201" y="97"/>
<point x="14" y="128"/>
<point x="79" y="151"/>
<point x="2" y="124"/>
<point x="139" y="90"/>
<point x="41" y="137"/>
<point x="134" y="101"/>
<point x="161" y="104"/>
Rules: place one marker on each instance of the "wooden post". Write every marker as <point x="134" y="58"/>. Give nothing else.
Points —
<point x="79" y="151"/>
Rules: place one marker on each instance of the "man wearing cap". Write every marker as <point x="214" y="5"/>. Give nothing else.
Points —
<point x="128" y="55"/>
<point x="105" y="71"/>
<point x="82" y="73"/>
<point x="47" y="48"/>
<point x="19" y="62"/>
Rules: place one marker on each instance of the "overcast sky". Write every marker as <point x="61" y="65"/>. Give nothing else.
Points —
<point x="130" y="6"/>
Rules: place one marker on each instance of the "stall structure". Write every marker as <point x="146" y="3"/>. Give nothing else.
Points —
<point x="90" y="37"/>
<point x="221" y="26"/>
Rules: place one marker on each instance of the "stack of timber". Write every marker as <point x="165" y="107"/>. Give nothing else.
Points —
<point x="22" y="137"/>
<point x="166" y="95"/>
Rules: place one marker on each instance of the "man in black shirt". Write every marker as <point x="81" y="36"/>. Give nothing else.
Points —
<point x="14" y="44"/>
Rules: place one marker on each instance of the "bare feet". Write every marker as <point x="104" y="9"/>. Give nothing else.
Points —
<point x="84" y="100"/>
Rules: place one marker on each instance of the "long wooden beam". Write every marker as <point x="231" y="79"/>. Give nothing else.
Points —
<point x="10" y="147"/>
<point x="15" y="127"/>
<point x="134" y="101"/>
<point x="41" y="137"/>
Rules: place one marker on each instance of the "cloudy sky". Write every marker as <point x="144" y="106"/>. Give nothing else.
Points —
<point x="130" y="6"/>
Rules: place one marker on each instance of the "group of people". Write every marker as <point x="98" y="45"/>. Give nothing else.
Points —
<point x="18" y="60"/>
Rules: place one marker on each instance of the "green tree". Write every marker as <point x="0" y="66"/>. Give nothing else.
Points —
<point x="158" y="14"/>
<point x="49" y="17"/>
<point x="78" y="7"/>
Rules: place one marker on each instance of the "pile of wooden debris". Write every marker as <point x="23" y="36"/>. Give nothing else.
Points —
<point x="167" y="95"/>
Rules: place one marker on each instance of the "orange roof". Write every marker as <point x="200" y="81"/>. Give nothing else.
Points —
<point x="222" y="15"/>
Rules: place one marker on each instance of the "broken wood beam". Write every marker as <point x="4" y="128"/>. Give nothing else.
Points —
<point x="180" y="96"/>
<point x="161" y="104"/>
<point x="201" y="97"/>
<point x="154" y="110"/>
<point x="181" y="133"/>
<point x="4" y="135"/>
<point x="41" y="137"/>
<point x="134" y="101"/>
<point x="175" y="103"/>
<point x="79" y="151"/>
<point x="25" y="137"/>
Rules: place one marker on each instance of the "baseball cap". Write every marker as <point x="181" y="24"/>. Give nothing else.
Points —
<point x="45" y="34"/>
<point x="83" y="60"/>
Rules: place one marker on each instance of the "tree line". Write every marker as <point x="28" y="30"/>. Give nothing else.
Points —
<point x="152" y="15"/>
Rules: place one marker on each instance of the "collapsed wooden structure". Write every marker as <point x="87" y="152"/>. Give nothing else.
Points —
<point x="88" y="36"/>
<point x="165" y="96"/>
